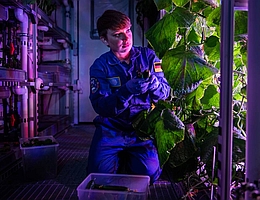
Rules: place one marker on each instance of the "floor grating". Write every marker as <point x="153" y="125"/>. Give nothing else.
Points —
<point x="71" y="171"/>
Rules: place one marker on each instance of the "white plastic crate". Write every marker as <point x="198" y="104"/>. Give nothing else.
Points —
<point x="39" y="162"/>
<point x="137" y="185"/>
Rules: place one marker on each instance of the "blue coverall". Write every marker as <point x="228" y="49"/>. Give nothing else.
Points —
<point x="117" y="108"/>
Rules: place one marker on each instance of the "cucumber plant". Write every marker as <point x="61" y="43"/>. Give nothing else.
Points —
<point x="186" y="126"/>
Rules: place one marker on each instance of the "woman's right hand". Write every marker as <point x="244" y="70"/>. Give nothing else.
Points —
<point x="137" y="85"/>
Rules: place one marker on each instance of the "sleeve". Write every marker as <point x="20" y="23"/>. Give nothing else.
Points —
<point x="163" y="90"/>
<point x="104" y="101"/>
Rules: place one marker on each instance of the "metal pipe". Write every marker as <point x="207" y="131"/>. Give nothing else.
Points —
<point x="67" y="15"/>
<point x="23" y="18"/>
<point x="67" y="53"/>
<point x="32" y="76"/>
<point x="75" y="62"/>
<point x="225" y="138"/>
<point x="253" y="96"/>
<point x="24" y="120"/>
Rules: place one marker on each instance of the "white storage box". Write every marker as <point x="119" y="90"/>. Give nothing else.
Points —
<point x="39" y="160"/>
<point x="137" y="187"/>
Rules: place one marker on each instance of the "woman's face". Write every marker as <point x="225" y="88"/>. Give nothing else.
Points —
<point x="119" y="41"/>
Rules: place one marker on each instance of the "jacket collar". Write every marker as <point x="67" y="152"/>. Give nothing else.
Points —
<point x="113" y="60"/>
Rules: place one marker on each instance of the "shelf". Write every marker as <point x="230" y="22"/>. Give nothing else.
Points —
<point x="60" y="73"/>
<point x="3" y="13"/>
<point x="46" y="77"/>
<point x="48" y="43"/>
<point x="15" y="4"/>
<point x="53" y="124"/>
<point x="15" y="75"/>
<point x="54" y="31"/>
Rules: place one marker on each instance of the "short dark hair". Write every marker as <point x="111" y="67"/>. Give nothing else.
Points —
<point x="112" y="19"/>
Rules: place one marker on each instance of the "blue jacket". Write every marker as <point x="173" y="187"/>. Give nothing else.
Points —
<point x="110" y="98"/>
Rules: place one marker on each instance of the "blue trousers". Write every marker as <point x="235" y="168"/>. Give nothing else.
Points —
<point x="113" y="151"/>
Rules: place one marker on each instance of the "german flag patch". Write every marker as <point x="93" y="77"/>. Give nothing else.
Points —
<point x="157" y="66"/>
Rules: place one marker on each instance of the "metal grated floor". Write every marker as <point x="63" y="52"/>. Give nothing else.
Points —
<point x="72" y="162"/>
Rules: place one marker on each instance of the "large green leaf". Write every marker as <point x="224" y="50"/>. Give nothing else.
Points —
<point x="161" y="35"/>
<point x="185" y="149"/>
<point x="212" y="48"/>
<point x="180" y="2"/>
<point x="184" y="17"/>
<point x="211" y="97"/>
<point x="198" y="6"/>
<point x="207" y="143"/>
<point x="193" y="99"/>
<point x="162" y="4"/>
<point x="144" y="123"/>
<point x="193" y="37"/>
<point x="213" y="20"/>
<point x="169" y="131"/>
<point x="185" y="69"/>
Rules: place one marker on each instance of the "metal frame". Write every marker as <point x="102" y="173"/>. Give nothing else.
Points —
<point x="225" y="139"/>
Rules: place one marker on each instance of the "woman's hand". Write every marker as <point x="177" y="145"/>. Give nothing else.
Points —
<point x="137" y="85"/>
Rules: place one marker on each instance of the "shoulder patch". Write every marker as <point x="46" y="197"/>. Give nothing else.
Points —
<point x="157" y="66"/>
<point x="94" y="85"/>
<point x="114" y="81"/>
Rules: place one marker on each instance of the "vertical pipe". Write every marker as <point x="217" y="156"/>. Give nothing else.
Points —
<point x="2" y="47"/>
<point x="67" y="53"/>
<point x="4" y="41"/>
<point x="67" y="48"/>
<point x="23" y="18"/>
<point x="34" y="101"/>
<point x="67" y="106"/>
<point x="32" y="76"/>
<point x="213" y="172"/>
<point x="226" y="117"/>
<point x="5" y="113"/>
<point x="253" y="95"/>
<point x="75" y="66"/>
<point x="24" y="117"/>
